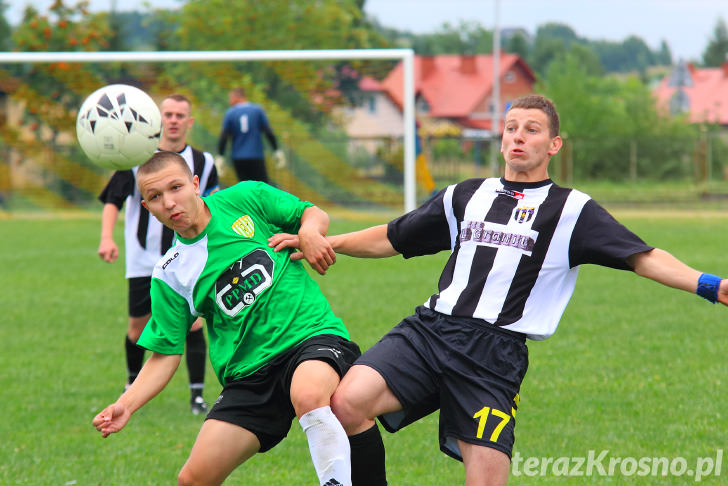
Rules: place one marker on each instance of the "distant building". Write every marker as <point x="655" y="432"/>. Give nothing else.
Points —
<point x="451" y="90"/>
<point x="700" y="92"/>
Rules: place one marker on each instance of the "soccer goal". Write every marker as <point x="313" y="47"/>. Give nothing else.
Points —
<point x="348" y="145"/>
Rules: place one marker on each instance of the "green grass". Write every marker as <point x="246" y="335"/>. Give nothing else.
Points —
<point x="635" y="368"/>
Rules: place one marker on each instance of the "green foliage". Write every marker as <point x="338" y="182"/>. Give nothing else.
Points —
<point x="517" y="44"/>
<point x="5" y="29"/>
<point x="607" y="118"/>
<point x="464" y="38"/>
<point x="717" y="50"/>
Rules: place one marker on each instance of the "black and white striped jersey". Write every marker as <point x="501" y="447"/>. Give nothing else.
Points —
<point x="145" y="238"/>
<point x="515" y="249"/>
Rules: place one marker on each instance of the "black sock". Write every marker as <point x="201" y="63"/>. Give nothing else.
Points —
<point x="196" y="354"/>
<point x="367" y="458"/>
<point x="134" y="359"/>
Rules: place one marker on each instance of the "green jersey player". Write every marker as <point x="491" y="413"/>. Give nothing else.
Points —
<point x="275" y="345"/>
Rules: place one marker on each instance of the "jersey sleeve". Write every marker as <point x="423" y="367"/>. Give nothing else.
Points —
<point x="281" y="208"/>
<point x="213" y="181"/>
<point x="601" y="240"/>
<point x="119" y="187"/>
<point x="267" y="130"/>
<point x="424" y="231"/>
<point x="171" y="320"/>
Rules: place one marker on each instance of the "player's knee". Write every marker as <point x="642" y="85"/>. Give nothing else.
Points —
<point x="308" y="399"/>
<point x="346" y="411"/>
<point x="186" y="477"/>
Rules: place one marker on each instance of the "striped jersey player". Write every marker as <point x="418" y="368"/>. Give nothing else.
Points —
<point x="516" y="244"/>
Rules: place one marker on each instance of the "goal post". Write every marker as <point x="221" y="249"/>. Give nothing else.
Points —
<point x="406" y="56"/>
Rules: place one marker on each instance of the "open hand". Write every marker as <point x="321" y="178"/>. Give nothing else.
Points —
<point x="112" y="419"/>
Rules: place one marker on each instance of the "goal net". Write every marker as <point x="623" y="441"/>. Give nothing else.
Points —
<point x="349" y="145"/>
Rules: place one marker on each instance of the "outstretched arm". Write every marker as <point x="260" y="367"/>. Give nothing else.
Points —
<point x="367" y="243"/>
<point x="153" y="377"/>
<point x="664" y="268"/>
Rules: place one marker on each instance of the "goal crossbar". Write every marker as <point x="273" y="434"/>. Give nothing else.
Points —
<point x="405" y="55"/>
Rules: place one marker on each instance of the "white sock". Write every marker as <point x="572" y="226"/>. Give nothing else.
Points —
<point x="329" y="447"/>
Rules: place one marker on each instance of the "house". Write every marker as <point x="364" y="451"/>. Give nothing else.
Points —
<point x="452" y="91"/>
<point x="700" y="92"/>
<point x="459" y="89"/>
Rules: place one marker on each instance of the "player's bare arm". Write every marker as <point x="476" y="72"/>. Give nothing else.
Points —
<point x="154" y="376"/>
<point x="108" y="250"/>
<point x="664" y="268"/>
<point x="367" y="243"/>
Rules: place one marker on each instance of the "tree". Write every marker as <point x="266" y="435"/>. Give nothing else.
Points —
<point x="517" y="44"/>
<point x="5" y="29"/>
<point x="717" y="50"/>
<point x="664" y="56"/>
<point x="464" y="38"/>
<point x="605" y="117"/>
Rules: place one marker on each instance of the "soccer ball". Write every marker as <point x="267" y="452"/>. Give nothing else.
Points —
<point x="118" y="127"/>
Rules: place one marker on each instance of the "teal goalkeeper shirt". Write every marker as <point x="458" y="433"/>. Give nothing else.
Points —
<point x="257" y="303"/>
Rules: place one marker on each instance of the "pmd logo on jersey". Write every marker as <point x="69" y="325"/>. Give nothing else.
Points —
<point x="240" y="285"/>
<point x="244" y="226"/>
<point x="513" y="194"/>
<point x="523" y="215"/>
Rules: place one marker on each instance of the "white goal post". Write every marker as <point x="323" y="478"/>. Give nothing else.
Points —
<point x="406" y="55"/>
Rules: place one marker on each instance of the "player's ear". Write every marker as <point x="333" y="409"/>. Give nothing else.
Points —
<point x="144" y="203"/>
<point x="196" y="183"/>
<point x="555" y="145"/>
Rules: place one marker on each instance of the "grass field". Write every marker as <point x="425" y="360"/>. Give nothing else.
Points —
<point x="635" y="369"/>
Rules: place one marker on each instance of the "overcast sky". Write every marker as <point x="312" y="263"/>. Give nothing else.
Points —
<point x="686" y="25"/>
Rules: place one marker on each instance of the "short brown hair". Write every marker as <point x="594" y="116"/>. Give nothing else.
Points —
<point x="178" y="97"/>
<point x="159" y="161"/>
<point x="538" y="102"/>
<point x="239" y="92"/>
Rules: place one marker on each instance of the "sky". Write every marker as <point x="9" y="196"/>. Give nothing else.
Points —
<point x="686" y="25"/>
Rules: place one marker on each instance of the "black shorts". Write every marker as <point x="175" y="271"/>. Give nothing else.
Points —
<point x="470" y="370"/>
<point x="140" y="299"/>
<point x="251" y="170"/>
<point x="261" y="402"/>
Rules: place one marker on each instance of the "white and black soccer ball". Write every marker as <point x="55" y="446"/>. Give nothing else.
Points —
<point x="118" y="126"/>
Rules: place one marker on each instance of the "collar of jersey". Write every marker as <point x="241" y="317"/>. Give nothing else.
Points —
<point x="202" y="234"/>
<point x="520" y="186"/>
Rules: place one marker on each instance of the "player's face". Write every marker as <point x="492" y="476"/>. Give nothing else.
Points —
<point x="527" y="145"/>
<point x="176" y="121"/>
<point x="173" y="198"/>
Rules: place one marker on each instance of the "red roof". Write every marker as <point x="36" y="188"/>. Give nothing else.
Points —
<point x="708" y="95"/>
<point x="453" y="85"/>
<point x="367" y="83"/>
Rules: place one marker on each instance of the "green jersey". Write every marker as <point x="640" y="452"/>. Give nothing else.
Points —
<point x="257" y="303"/>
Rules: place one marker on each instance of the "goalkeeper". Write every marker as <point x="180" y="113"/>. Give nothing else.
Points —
<point x="246" y="122"/>
<point x="275" y="345"/>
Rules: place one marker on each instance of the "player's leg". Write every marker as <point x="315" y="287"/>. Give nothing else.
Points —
<point x="220" y="448"/>
<point x="484" y="466"/>
<point x="362" y="395"/>
<point x="134" y="354"/>
<point x="479" y="397"/>
<point x="195" y="355"/>
<point x="312" y="385"/>
<point x="315" y="369"/>
<point x="140" y="310"/>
